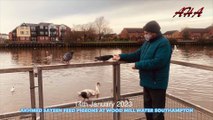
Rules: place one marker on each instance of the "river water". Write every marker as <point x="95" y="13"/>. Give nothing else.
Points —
<point x="62" y="86"/>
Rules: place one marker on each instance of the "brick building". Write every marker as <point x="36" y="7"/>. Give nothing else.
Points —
<point x="131" y="33"/>
<point x="42" y="32"/>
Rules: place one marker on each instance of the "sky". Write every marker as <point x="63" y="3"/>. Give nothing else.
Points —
<point x="119" y="13"/>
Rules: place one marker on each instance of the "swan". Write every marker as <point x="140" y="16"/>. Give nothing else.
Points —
<point x="175" y="48"/>
<point x="88" y="93"/>
<point x="48" y="59"/>
<point x="12" y="89"/>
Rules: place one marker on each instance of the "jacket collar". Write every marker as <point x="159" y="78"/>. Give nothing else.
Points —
<point x="159" y="35"/>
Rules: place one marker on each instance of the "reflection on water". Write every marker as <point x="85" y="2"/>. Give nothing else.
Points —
<point x="195" y="54"/>
<point x="61" y="86"/>
<point x="26" y="57"/>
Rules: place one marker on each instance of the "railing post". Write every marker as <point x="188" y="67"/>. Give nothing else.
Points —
<point x="116" y="88"/>
<point x="32" y="93"/>
<point x="40" y="93"/>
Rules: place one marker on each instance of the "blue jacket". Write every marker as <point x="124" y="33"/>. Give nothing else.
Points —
<point x="153" y="61"/>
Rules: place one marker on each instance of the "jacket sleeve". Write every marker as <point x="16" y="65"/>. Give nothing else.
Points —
<point x="131" y="57"/>
<point x="161" y="58"/>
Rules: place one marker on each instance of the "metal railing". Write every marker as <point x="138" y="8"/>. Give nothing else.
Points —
<point x="116" y="92"/>
<point x="32" y="91"/>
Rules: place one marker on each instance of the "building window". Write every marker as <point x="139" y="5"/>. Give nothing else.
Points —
<point x="33" y="28"/>
<point x="22" y="32"/>
<point x="41" y="33"/>
<point x="53" y="33"/>
<point x="46" y="33"/>
<point x="41" y="27"/>
<point x="33" y="33"/>
<point x="27" y="32"/>
<point x="41" y="38"/>
<point x="33" y="39"/>
<point x="22" y="38"/>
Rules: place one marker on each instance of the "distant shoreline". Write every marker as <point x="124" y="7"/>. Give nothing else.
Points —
<point x="94" y="44"/>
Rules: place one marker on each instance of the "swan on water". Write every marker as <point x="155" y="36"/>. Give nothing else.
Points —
<point x="12" y="89"/>
<point x="175" y="48"/>
<point x="89" y="93"/>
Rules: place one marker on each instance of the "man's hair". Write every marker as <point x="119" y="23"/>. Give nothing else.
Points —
<point x="152" y="27"/>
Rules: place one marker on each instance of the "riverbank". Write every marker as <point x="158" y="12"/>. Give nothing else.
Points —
<point x="93" y="44"/>
<point x="77" y="44"/>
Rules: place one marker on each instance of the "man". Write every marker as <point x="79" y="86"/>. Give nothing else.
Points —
<point x="152" y="60"/>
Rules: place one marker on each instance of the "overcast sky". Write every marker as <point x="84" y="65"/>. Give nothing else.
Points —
<point x="119" y="13"/>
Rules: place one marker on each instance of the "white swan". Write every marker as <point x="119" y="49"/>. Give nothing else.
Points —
<point x="175" y="48"/>
<point x="12" y="89"/>
<point x="88" y="93"/>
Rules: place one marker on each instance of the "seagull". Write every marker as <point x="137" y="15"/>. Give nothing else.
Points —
<point x="89" y="93"/>
<point x="103" y="58"/>
<point x="67" y="57"/>
<point x="12" y="89"/>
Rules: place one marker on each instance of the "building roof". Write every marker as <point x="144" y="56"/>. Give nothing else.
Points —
<point x="195" y="30"/>
<point x="79" y="32"/>
<point x="134" y="30"/>
<point x="45" y="24"/>
<point x="63" y="25"/>
<point x="170" y="32"/>
<point x="28" y="24"/>
<point x="210" y="27"/>
<point x="23" y="24"/>
<point x="32" y="24"/>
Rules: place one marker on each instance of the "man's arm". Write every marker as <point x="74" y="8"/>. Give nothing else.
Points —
<point x="162" y="57"/>
<point x="131" y="57"/>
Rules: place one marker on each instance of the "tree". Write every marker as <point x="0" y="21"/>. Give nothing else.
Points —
<point x="107" y="30"/>
<point x="90" y="31"/>
<point x="70" y="37"/>
<point x="87" y="31"/>
<point x="102" y="27"/>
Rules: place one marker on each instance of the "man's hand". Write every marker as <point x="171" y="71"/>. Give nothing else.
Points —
<point x="133" y="68"/>
<point x="116" y="57"/>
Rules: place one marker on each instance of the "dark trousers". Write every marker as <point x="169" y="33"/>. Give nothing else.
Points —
<point x="154" y="98"/>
